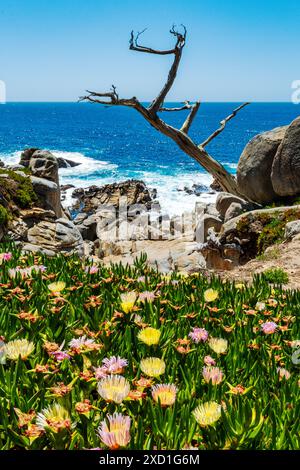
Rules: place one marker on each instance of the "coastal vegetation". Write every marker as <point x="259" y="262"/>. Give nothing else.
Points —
<point x="127" y="357"/>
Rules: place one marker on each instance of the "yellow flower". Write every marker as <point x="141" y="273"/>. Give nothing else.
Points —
<point x="218" y="345"/>
<point x="240" y="286"/>
<point x="149" y="336"/>
<point x="210" y="295"/>
<point x="207" y="413"/>
<point x="114" y="388"/>
<point x="55" y="418"/>
<point x="165" y="394"/>
<point x="153" y="366"/>
<point x="127" y="301"/>
<point x="18" y="348"/>
<point x="57" y="286"/>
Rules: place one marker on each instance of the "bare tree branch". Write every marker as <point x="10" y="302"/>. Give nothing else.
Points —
<point x="186" y="105"/>
<point x="188" y="122"/>
<point x="134" y="46"/>
<point x="93" y="96"/>
<point x="222" y="125"/>
<point x="180" y="43"/>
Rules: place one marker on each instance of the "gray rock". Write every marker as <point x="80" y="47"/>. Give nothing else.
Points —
<point x="292" y="229"/>
<point x="94" y="197"/>
<point x="206" y="222"/>
<point x="26" y="156"/>
<point x="43" y="164"/>
<point x="65" y="163"/>
<point x="60" y="236"/>
<point x="286" y="165"/>
<point x="224" y="201"/>
<point x="80" y="218"/>
<point x="21" y="173"/>
<point x="30" y="248"/>
<point x="49" y="192"/>
<point x="255" y="166"/>
<point x="88" y="228"/>
<point x="233" y="210"/>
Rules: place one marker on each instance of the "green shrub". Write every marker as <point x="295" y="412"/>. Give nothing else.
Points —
<point x="18" y="189"/>
<point x="276" y="276"/>
<point x="3" y="215"/>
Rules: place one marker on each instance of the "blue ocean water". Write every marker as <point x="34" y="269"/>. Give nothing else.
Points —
<point x="115" y="143"/>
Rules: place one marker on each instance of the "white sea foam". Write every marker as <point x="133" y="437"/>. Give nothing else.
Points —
<point x="170" y="188"/>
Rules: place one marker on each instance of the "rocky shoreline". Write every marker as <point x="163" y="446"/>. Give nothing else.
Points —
<point x="121" y="221"/>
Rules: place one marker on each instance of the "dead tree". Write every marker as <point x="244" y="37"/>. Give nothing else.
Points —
<point x="197" y="151"/>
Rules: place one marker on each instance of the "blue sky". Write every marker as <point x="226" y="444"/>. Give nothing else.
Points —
<point x="236" y="50"/>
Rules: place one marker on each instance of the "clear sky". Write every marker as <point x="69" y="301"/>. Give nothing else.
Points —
<point x="51" y="50"/>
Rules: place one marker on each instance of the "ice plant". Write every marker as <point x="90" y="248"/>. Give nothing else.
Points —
<point x="81" y="343"/>
<point x="113" y="388"/>
<point x="57" y="287"/>
<point x="18" y="348"/>
<point x="149" y="336"/>
<point x="54" y="418"/>
<point x="146" y="296"/>
<point x="5" y="257"/>
<point x="198" y="334"/>
<point x="260" y="306"/>
<point x="114" y="364"/>
<point x="60" y="355"/>
<point x="269" y="327"/>
<point x="218" y="345"/>
<point x="165" y="394"/>
<point x="115" y="433"/>
<point x="212" y="374"/>
<point x="25" y="272"/>
<point x="283" y="373"/>
<point x="210" y="295"/>
<point x="208" y="413"/>
<point x="209" y="361"/>
<point x="91" y="269"/>
<point x="153" y="366"/>
<point x="127" y="301"/>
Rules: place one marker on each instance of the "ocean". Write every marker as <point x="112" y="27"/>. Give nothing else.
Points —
<point x="115" y="143"/>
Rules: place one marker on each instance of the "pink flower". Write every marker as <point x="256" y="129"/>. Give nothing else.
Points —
<point x="92" y="269"/>
<point x="213" y="375"/>
<point x="141" y="279"/>
<point x="209" y="361"/>
<point x="198" y="334"/>
<point x="283" y="373"/>
<point x="115" y="433"/>
<point x="100" y="372"/>
<point x="25" y="272"/>
<point x="147" y="296"/>
<point x="60" y="355"/>
<point x="112" y="365"/>
<point x="6" y="256"/>
<point x="82" y="342"/>
<point x="115" y="365"/>
<point x="269" y="327"/>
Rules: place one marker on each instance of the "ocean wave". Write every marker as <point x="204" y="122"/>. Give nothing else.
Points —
<point x="170" y="185"/>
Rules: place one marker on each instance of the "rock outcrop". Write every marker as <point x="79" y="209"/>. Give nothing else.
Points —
<point x="286" y="165"/>
<point x="94" y="197"/>
<point x="292" y="229"/>
<point x="60" y="236"/>
<point x="255" y="166"/>
<point x="43" y="166"/>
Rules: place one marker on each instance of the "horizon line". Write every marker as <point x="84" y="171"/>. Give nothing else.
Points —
<point x="146" y="101"/>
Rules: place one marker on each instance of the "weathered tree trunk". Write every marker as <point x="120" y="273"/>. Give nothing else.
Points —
<point x="180" y="136"/>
